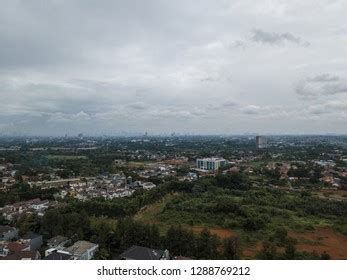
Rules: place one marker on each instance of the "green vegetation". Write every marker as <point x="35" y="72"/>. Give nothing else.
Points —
<point x="22" y="191"/>
<point x="224" y="201"/>
<point x="257" y="207"/>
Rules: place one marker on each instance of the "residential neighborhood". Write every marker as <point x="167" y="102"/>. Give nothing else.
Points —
<point x="141" y="197"/>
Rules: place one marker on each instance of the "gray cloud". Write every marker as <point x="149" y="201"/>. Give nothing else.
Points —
<point x="238" y="44"/>
<point x="209" y="80"/>
<point x="230" y="103"/>
<point x="322" y="85"/>
<point x="111" y="66"/>
<point x="331" y="107"/>
<point x="324" y="78"/>
<point x="265" y="37"/>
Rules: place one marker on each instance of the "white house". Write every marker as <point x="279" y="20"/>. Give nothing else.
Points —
<point x="82" y="250"/>
<point x="40" y="205"/>
<point x="148" y="185"/>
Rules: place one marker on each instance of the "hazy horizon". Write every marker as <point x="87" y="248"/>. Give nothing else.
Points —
<point x="200" y="68"/>
<point x="168" y="135"/>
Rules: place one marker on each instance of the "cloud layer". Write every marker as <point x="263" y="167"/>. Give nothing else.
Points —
<point x="109" y="67"/>
<point x="261" y="36"/>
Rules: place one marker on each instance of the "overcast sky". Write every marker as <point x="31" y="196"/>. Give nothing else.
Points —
<point x="208" y="67"/>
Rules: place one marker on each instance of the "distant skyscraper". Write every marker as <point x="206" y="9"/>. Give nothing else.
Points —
<point x="261" y="142"/>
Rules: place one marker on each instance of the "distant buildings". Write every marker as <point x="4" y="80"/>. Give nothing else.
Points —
<point x="38" y="206"/>
<point x="210" y="163"/>
<point x="261" y="142"/>
<point x="148" y="185"/>
<point x="191" y="176"/>
<point x="107" y="186"/>
<point x="49" y="184"/>
<point x="325" y="163"/>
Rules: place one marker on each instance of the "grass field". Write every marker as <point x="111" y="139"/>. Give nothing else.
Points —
<point x="149" y="214"/>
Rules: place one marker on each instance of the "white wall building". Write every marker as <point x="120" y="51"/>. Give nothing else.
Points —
<point x="210" y="163"/>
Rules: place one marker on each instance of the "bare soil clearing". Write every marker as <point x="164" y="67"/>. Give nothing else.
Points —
<point x="220" y="232"/>
<point x="322" y="240"/>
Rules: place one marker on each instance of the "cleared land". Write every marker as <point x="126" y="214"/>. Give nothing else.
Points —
<point x="322" y="240"/>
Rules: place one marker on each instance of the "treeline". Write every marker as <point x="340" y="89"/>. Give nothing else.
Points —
<point x="183" y="242"/>
<point x="113" y="239"/>
<point x="300" y="202"/>
<point x="127" y="232"/>
<point x="22" y="191"/>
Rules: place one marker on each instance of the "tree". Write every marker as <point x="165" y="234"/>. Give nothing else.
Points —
<point x="67" y="222"/>
<point x="290" y="251"/>
<point x="3" y="221"/>
<point x="180" y="242"/>
<point x="268" y="252"/>
<point x="102" y="254"/>
<point x="254" y="222"/>
<point x="325" y="256"/>
<point x="231" y="248"/>
<point x="27" y="223"/>
<point x="137" y="233"/>
<point x="280" y="236"/>
<point x="232" y="181"/>
<point x="207" y="245"/>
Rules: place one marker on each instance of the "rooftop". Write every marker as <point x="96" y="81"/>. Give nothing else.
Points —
<point x="56" y="240"/>
<point x="30" y="235"/>
<point x="80" y="247"/>
<point x="211" y="159"/>
<point x="58" y="256"/>
<point x="142" y="253"/>
<point x="4" y="229"/>
<point x="20" y="255"/>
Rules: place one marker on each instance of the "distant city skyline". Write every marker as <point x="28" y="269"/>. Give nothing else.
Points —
<point x="216" y="67"/>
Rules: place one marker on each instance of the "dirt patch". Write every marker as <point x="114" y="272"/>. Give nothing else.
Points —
<point x="322" y="240"/>
<point x="251" y="252"/>
<point x="220" y="232"/>
<point x="340" y="195"/>
<point x="337" y="192"/>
